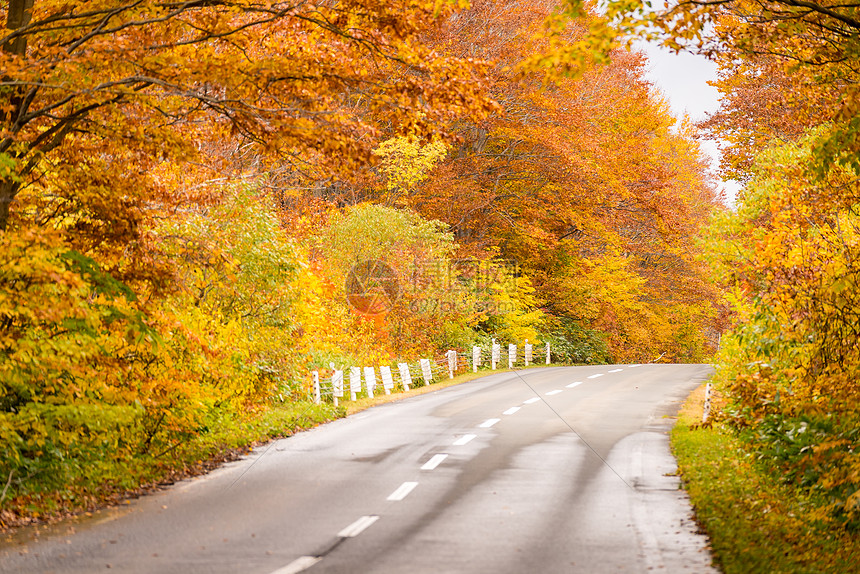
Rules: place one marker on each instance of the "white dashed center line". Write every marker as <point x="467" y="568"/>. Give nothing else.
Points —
<point x="511" y="411"/>
<point x="403" y="491"/>
<point x="298" y="565"/>
<point x="465" y="439"/>
<point x="555" y="392"/>
<point x="572" y="385"/>
<point x="616" y="370"/>
<point x="488" y="423"/>
<point x="434" y="462"/>
<point x="595" y="376"/>
<point x="358" y="526"/>
<point x="531" y="400"/>
<point x="633" y="366"/>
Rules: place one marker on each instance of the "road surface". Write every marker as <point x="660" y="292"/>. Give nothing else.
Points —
<point x="555" y="470"/>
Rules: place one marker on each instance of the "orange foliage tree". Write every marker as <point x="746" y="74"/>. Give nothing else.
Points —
<point x="587" y="182"/>
<point x="89" y="88"/>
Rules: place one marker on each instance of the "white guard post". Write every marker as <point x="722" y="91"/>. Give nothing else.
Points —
<point x="528" y="352"/>
<point x="316" y="377"/>
<point x="547" y="352"/>
<point x="476" y="358"/>
<point x="387" y="380"/>
<point x="354" y="382"/>
<point x="512" y="355"/>
<point x="370" y="380"/>
<point x="706" y="412"/>
<point x="405" y="375"/>
<point x="452" y="363"/>
<point x="425" y="370"/>
<point x="337" y="385"/>
<point x="496" y="354"/>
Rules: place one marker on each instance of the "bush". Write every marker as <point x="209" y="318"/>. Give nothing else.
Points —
<point x="571" y="343"/>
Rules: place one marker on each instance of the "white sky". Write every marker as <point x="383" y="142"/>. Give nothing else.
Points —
<point x="683" y="79"/>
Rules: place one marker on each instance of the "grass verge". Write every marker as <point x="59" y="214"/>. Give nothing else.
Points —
<point x="756" y="522"/>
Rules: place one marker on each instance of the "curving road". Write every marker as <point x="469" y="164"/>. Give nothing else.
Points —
<point x="553" y="470"/>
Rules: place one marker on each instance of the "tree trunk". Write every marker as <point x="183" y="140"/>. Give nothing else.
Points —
<point x="20" y="12"/>
<point x="8" y="191"/>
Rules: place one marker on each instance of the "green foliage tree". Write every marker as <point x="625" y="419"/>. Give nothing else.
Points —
<point x="237" y="292"/>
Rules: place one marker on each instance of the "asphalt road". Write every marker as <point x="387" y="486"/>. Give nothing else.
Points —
<point x="563" y="469"/>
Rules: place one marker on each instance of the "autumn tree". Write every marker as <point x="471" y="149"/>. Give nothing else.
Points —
<point x="587" y="182"/>
<point x="800" y="54"/>
<point x="762" y="106"/>
<point x="787" y="259"/>
<point x="91" y="87"/>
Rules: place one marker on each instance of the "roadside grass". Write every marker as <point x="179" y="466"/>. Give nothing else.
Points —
<point x="756" y="522"/>
<point x="108" y="480"/>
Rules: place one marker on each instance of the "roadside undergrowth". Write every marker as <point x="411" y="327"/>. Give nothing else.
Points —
<point x="756" y="522"/>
